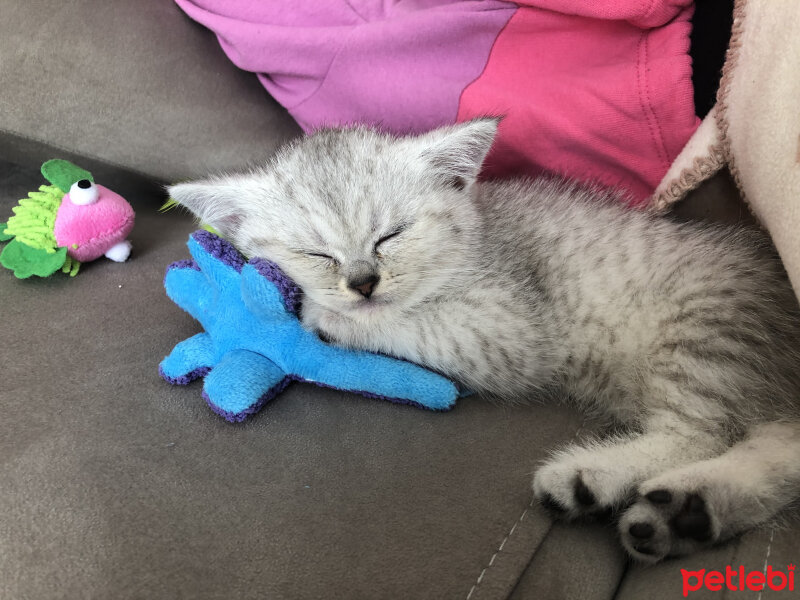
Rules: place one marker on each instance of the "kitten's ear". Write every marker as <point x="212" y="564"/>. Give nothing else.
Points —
<point x="457" y="152"/>
<point x="214" y="202"/>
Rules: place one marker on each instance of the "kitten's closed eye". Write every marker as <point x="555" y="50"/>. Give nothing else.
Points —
<point x="322" y="256"/>
<point x="390" y="236"/>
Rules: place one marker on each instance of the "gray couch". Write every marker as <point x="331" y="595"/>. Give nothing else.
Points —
<point x="114" y="484"/>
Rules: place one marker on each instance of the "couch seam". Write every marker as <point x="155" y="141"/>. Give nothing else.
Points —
<point x="500" y="548"/>
<point x="766" y="556"/>
<point x="575" y="436"/>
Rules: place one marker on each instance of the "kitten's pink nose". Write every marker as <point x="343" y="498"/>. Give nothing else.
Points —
<point x="364" y="286"/>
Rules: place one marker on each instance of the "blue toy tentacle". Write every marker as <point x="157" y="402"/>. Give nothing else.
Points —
<point x="190" y="359"/>
<point x="242" y="383"/>
<point x="192" y="291"/>
<point x="376" y="374"/>
<point x="262" y="297"/>
<point x="226" y="275"/>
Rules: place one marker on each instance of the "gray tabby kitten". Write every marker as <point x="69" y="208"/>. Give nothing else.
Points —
<point x="685" y="335"/>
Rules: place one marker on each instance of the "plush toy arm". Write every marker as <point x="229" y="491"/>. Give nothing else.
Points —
<point x="242" y="383"/>
<point x="262" y="297"/>
<point x="190" y="289"/>
<point x="190" y="359"/>
<point x="377" y="375"/>
<point x="217" y="259"/>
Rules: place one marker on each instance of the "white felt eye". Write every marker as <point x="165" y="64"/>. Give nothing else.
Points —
<point x="83" y="192"/>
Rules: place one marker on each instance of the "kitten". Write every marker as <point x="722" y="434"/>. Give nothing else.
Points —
<point x="685" y="335"/>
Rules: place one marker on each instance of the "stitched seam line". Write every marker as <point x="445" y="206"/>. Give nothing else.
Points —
<point x="513" y="528"/>
<point x="103" y="234"/>
<point x="766" y="557"/>
<point x="650" y="10"/>
<point x="499" y="549"/>
<point x="690" y="177"/>
<point x="656" y="135"/>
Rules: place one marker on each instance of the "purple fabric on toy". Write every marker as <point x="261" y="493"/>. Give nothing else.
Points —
<point x="291" y="293"/>
<point x="185" y="263"/>
<point x="225" y="251"/>
<point x="232" y="417"/>
<point x="219" y="248"/>
<point x="241" y="416"/>
<point x="185" y="379"/>
<point x="273" y="392"/>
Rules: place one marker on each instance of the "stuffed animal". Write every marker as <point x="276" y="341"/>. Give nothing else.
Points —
<point x="254" y="345"/>
<point x="70" y="221"/>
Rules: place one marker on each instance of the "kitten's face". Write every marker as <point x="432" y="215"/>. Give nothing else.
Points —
<point x="362" y="222"/>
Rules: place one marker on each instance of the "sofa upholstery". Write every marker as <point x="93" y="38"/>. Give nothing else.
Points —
<point x="114" y="484"/>
<point x="134" y="84"/>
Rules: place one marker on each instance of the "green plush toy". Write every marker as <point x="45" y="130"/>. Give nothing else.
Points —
<point x="70" y="221"/>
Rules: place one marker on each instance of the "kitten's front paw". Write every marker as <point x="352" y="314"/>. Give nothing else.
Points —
<point x="668" y="521"/>
<point x="324" y="323"/>
<point x="571" y="488"/>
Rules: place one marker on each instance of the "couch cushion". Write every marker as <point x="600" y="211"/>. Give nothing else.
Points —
<point x="136" y="84"/>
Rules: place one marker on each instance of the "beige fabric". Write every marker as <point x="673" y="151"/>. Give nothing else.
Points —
<point x="755" y="127"/>
<point x="703" y="155"/>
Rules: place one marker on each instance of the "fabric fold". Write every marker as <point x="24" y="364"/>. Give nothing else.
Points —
<point x="600" y="92"/>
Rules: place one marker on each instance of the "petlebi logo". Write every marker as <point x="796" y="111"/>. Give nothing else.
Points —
<point x="739" y="580"/>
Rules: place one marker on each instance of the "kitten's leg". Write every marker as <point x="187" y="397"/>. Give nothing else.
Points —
<point x="586" y="479"/>
<point x="696" y="505"/>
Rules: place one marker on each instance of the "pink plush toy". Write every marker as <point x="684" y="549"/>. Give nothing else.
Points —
<point x="74" y="220"/>
<point x="93" y="221"/>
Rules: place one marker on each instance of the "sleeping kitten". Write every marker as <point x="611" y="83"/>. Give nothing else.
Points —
<point x="685" y="335"/>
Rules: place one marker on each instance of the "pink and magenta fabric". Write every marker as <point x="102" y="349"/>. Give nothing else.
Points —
<point x="598" y="91"/>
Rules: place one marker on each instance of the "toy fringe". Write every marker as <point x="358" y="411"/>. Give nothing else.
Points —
<point x="34" y="219"/>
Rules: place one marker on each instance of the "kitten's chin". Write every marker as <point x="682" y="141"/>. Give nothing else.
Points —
<point x="370" y="307"/>
<point x="364" y="310"/>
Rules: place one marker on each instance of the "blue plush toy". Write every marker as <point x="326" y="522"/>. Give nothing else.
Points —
<point x="254" y="345"/>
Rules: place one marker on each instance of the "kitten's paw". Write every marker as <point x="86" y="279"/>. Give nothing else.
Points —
<point x="571" y="490"/>
<point x="668" y="521"/>
<point x="327" y="325"/>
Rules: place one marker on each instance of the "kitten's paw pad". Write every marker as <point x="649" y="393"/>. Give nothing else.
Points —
<point x="583" y="494"/>
<point x="693" y="520"/>
<point x="659" y="496"/>
<point x="570" y="493"/>
<point x="551" y="504"/>
<point x="667" y="522"/>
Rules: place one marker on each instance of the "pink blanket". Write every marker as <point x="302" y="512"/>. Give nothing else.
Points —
<point x="599" y="91"/>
